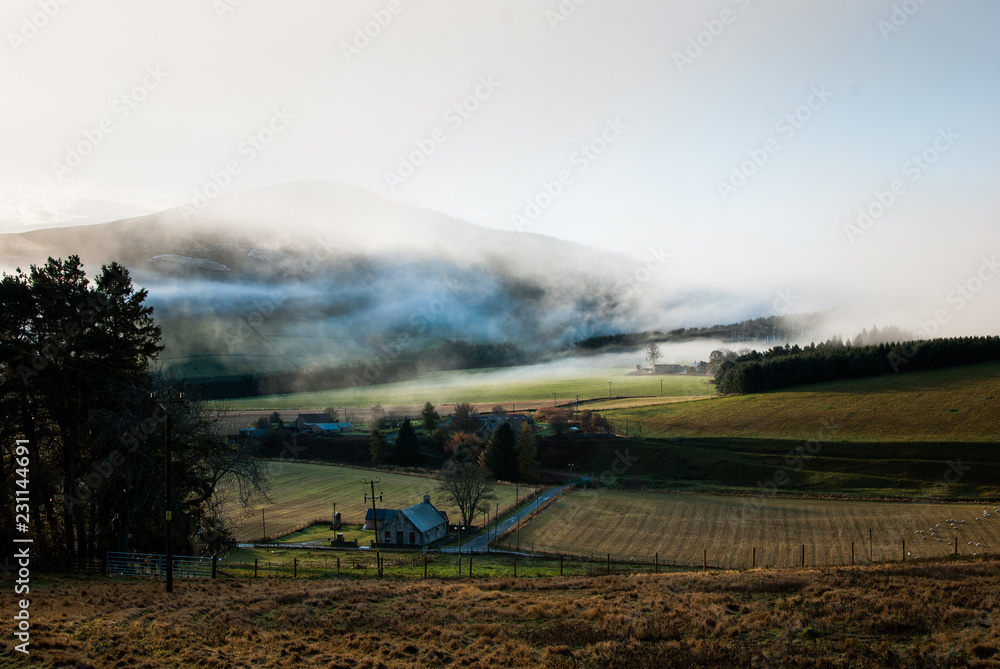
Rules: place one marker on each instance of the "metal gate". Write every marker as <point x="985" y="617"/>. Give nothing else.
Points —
<point x="153" y="565"/>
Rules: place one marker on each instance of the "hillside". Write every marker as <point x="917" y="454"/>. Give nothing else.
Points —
<point x="956" y="404"/>
<point x="938" y="614"/>
<point x="314" y="274"/>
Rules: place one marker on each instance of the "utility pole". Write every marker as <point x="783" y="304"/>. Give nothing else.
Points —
<point x="169" y="485"/>
<point x="373" y="498"/>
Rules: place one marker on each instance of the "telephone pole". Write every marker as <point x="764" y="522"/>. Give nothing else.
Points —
<point x="169" y="484"/>
<point x="372" y="499"/>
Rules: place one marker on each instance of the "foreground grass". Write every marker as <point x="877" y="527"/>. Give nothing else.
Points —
<point x="303" y="492"/>
<point x="725" y="530"/>
<point x="503" y="386"/>
<point x="913" y="615"/>
<point x="956" y="404"/>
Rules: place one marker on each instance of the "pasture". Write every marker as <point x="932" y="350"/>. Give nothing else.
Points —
<point x="506" y="386"/>
<point x="302" y="492"/>
<point x="955" y="404"/>
<point x="681" y="527"/>
<point x="917" y="614"/>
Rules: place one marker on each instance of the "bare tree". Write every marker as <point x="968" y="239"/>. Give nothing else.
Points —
<point x="653" y="354"/>
<point x="468" y="486"/>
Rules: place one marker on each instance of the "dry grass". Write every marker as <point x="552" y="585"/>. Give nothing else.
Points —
<point x="302" y="492"/>
<point x="681" y="527"/>
<point x="940" y="615"/>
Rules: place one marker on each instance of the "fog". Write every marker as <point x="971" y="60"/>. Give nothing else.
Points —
<point x="523" y="172"/>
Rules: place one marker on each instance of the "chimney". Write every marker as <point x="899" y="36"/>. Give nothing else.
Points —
<point x="427" y="499"/>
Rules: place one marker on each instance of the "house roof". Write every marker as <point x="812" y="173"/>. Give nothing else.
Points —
<point x="317" y="418"/>
<point x="424" y="516"/>
<point x="381" y="514"/>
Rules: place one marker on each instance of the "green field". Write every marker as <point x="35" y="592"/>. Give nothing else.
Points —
<point x="303" y="492"/>
<point x="505" y="386"/>
<point x="954" y="471"/>
<point x="956" y="404"/>
<point x="682" y="527"/>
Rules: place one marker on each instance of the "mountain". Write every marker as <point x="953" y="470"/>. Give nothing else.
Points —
<point x="311" y="274"/>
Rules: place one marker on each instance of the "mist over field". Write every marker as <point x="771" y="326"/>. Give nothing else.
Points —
<point x="636" y="167"/>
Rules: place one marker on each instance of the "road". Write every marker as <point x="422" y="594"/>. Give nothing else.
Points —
<point x="481" y="543"/>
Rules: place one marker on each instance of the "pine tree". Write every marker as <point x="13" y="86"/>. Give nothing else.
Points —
<point x="527" y="454"/>
<point x="407" y="450"/>
<point x="431" y="418"/>
<point x="500" y="456"/>
<point x="381" y="453"/>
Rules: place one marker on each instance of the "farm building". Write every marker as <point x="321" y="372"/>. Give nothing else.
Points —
<point x="374" y="520"/>
<point x="487" y="424"/>
<point x="672" y="368"/>
<point x="417" y="525"/>
<point x="321" y="423"/>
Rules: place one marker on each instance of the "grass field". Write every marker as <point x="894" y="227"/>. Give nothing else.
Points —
<point x="956" y="404"/>
<point x="912" y="615"/>
<point x="504" y="386"/>
<point x="681" y="527"/>
<point x="304" y="492"/>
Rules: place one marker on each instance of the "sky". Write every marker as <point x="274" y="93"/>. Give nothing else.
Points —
<point x="812" y="154"/>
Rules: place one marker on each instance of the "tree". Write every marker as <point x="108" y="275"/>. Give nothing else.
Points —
<point x="465" y="418"/>
<point x="527" y="454"/>
<point x="75" y="381"/>
<point x="559" y="423"/>
<point x="498" y="409"/>
<point x="379" y="447"/>
<point x="500" y="455"/>
<point x="652" y="354"/>
<point x="276" y="418"/>
<point x="407" y="446"/>
<point x="333" y="413"/>
<point x="431" y="418"/>
<point x="378" y="417"/>
<point x="262" y="423"/>
<point x="464" y="447"/>
<point x="468" y="486"/>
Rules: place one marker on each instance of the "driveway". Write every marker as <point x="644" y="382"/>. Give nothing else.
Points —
<point x="480" y="544"/>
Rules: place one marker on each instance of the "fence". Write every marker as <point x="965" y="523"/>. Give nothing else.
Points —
<point x="152" y="565"/>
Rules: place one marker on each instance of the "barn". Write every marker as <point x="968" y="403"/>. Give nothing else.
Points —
<point x="417" y="525"/>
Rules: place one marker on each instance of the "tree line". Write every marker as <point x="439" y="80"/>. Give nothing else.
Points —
<point x="768" y="328"/>
<point x="784" y="366"/>
<point x="76" y="383"/>
<point x="388" y="366"/>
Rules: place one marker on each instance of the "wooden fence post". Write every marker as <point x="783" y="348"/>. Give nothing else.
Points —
<point x="560" y="565"/>
<point x="852" y="553"/>
<point x="609" y="564"/>
<point x="753" y="558"/>
<point x="656" y="563"/>
<point x="704" y="560"/>
<point x="338" y="566"/>
<point x="803" y="555"/>
<point x="425" y="566"/>
<point x="956" y="545"/>
<point x="904" y="549"/>
<point x="295" y="568"/>
<point x="470" y="565"/>
<point x="255" y="567"/>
